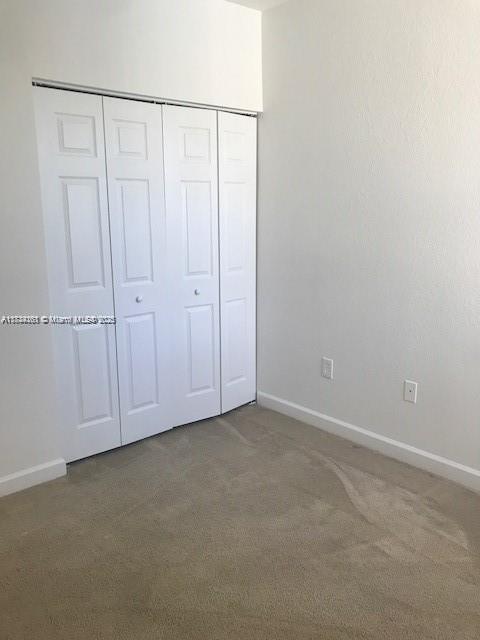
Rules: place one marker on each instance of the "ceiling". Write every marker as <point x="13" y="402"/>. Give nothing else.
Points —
<point x="261" y="5"/>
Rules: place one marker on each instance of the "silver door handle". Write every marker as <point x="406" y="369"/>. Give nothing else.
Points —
<point x="139" y="298"/>
<point x="197" y="292"/>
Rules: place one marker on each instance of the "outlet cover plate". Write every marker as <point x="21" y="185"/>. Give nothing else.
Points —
<point x="327" y="368"/>
<point x="410" y="391"/>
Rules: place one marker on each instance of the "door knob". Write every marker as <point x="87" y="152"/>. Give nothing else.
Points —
<point x="197" y="292"/>
<point x="139" y="298"/>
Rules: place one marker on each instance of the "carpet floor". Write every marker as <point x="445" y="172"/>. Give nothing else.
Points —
<point x="247" y="526"/>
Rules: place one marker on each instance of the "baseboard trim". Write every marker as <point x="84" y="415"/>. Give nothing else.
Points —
<point x="33" y="475"/>
<point x="466" y="476"/>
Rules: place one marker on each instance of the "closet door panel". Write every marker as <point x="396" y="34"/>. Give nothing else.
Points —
<point x="133" y="133"/>
<point x="190" y="138"/>
<point x="74" y="198"/>
<point x="201" y="348"/>
<point x="237" y="214"/>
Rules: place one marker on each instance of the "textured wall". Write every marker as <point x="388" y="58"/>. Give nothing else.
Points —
<point x="369" y="215"/>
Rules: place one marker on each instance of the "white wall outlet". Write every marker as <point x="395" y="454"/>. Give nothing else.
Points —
<point x="327" y="368"/>
<point x="410" y="391"/>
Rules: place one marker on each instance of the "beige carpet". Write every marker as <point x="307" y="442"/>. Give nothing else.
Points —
<point x="247" y="526"/>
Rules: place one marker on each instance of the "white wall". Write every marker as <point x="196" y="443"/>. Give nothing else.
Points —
<point x="369" y="219"/>
<point x="205" y="51"/>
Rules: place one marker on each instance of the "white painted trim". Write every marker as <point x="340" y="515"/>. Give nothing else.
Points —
<point x="32" y="476"/>
<point x="467" y="476"/>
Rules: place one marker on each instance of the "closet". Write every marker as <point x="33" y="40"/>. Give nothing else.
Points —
<point x="150" y="218"/>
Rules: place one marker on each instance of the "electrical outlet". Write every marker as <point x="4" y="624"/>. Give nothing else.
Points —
<point x="410" y="391"/>
<point x="327" y="368"/>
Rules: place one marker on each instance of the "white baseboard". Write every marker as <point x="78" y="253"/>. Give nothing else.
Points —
<point x="466" y="476"/>
<point x="32" y="476"/>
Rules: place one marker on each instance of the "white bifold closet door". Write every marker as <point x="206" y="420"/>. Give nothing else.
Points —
<point x="149" y="216"/>
<point x="237" y="148"/>
<point x="134" y="152"/>
<point x="191" y="190"/>
<point x="74" y="196"/>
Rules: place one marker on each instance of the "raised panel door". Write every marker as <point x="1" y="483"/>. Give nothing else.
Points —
<point x="190" y="138"/>
<point x="237" y="216"/>
<point x="134" y="148"/>
<point x="74" y="198"/>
